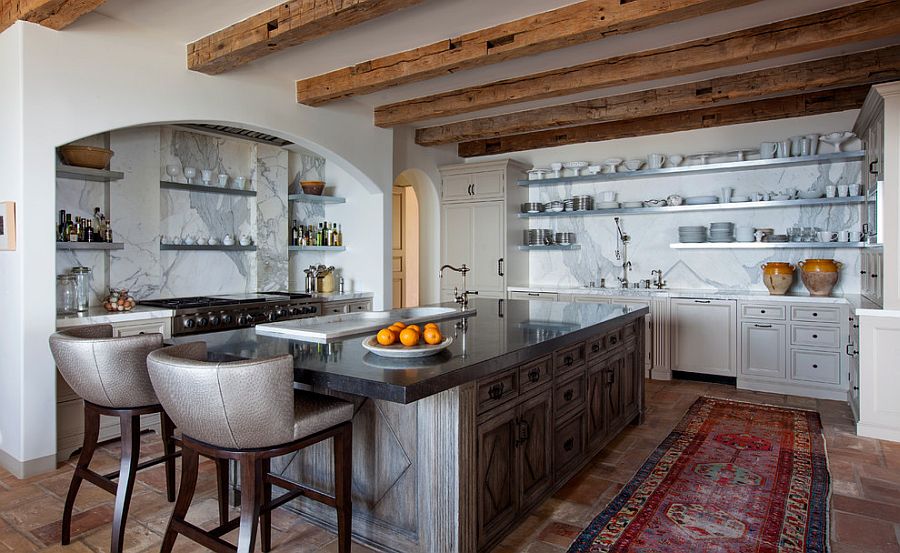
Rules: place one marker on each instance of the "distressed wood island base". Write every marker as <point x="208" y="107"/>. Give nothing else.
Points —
<point x="456" y="469"/>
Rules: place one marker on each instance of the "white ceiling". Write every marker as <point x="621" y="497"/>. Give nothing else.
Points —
<point x="435" y="20"/>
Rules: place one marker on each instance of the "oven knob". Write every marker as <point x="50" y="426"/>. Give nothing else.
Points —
<point x="214" y="320"/>
<point x="189" y="323"/>
<point x="313" y="308"/>
<point x="294" y="311"/>
<point x="249" y="319"/>
<point x="242" y="320"/>
<point x="202" y="322"/>
<point x="226" y="319"/>
<point x="280" y="313"/>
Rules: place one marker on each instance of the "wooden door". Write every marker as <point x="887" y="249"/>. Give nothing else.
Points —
<point x="397" y="254"/>
<point x="496" y="487"/>
<point x="612" y="392"/>
<point x="764" y="350"/>
<point x="630" y="380"/>
<point x="705" y="336"/>
<point x="488" y="244"/>
<point x="596" y="404"/>
<point x="456" y="243"/>
<point x="535" y="447"/>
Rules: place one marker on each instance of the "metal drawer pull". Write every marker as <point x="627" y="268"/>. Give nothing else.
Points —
<point x="762" y="326"/>
<point x="595" y="348"/>
<point x="850" y="353"/>
<point x="815" y="335"/>
<point x="613" y="339"/>
<point x="701" y="301"/>
<point x="815" y="314"/>
<point x="568" y="360"/>
<point x="500" y="267"/>
<point x="524" y="431"/>
<point x="762" y="310"/>
<point x="495" y="391"/>
<point x="569" y="444"/>
<point x="534" y="294"/>
<point x="534" y="375"/>
<point x="570" y="393"/>
<point x="815" y="366"/>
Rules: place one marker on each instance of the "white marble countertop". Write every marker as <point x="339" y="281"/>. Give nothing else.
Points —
<point x="99" y="315"/>
<point x="855" y="301"/>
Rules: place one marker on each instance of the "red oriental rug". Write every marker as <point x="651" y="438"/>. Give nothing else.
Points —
<point x="731" y="478"/>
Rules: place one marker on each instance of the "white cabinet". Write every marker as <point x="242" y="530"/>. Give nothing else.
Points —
<point x="763" y="350"/>
<point x="533" y="296"/>
<point x="460" y="184"/>
<point x="705" y="336"/>
<point x="474" y="235"/>
<point x="456" y="187"/>
<point x="871" y="280"/>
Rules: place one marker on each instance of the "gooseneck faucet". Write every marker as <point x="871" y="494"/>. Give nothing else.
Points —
<point x="463" y="298"/>
<point x="622" y="254"/>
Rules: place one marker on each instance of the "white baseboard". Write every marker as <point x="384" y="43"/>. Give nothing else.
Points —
<point x="878" y="431"/>
<point x="790" y="388"/>
<point x="27" y="469"/>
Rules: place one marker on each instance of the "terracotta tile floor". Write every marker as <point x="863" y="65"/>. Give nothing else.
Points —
<point x="865" y="514"/>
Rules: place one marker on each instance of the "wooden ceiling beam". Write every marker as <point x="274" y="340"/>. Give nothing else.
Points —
<point x="867" y="20"/>
<point x="288" y="24"/>
<point x="566" y="26"/>
<point x="870" y="67"/>
<point x="811" y="103"/>
<point x="55" y="14"/>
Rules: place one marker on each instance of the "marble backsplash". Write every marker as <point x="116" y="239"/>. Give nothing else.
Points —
<point x="651" y="234"/>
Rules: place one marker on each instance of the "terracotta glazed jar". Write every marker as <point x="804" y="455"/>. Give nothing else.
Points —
<point x="820" y="275"/>
<point x="778" y="277"/>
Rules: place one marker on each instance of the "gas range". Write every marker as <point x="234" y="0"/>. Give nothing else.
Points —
<point x="198" y="314"/>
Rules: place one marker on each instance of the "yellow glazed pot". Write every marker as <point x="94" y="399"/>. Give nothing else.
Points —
<point x="778" y="277"/>
<point x="820" y="275"/>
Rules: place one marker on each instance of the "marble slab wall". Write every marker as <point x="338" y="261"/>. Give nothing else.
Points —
<point x="304" y="166"/>
<point x="272" y="218"/>
<point x="694" y="269"/>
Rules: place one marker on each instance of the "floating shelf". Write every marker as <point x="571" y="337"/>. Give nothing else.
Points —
<point x="768" y="245"/>
<point x="700" y="169"/>
<point x="90" y="246"/>
<point x="317" y="248"/>
<point x="86" y="173"/>
<point x="549" y="248"/>
<point x="198" y="247"/>
<point x="205" y="189"/>
<point x="310" y="199"/>
<point x="701" y="207"/>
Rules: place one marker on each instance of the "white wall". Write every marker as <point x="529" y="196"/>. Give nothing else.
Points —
<point x="110" y="77"/>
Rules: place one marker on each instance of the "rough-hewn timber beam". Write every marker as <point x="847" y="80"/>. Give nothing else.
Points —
<point x="863" y="21"/>
<point x="288" y="24"/>
<point x="871" y="67"/>
<point x="574" y="24"/>
<point x="55" y="14"/>
<point x="812" y="103"/>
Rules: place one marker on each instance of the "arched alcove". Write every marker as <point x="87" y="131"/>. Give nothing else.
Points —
<point x="429" y="231"/>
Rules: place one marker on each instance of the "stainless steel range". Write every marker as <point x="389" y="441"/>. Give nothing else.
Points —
<point x="212" y="313"/>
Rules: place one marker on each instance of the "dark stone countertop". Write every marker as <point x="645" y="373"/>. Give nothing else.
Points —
<point x="502" y="334"/>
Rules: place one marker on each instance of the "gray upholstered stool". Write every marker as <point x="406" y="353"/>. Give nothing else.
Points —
<point x="110" y="374"/>
<point x="248" y="411"/>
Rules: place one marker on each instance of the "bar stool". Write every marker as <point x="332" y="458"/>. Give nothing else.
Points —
<point x="110" y="374"/>
<point x="248" y="411"/>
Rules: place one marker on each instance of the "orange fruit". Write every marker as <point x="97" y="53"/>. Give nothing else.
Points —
<point x="416" y="328"/>
<point x="386" y="337"/>
<point x="396" y="329"/>
<point x="432" y="336"/>
<point x="409" y="337"/>
<point x="401" y="324"/>
<point x="431" y="325"/>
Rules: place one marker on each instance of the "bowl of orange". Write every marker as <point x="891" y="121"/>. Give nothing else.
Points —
<point x="408" y="341"/>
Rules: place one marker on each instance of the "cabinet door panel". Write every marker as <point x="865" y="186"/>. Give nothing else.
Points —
<point x="763" y="350"/>
<point x="497" y="497"/>
<point x="535" y="452"/>
<point x="488" y="232"/>
<point x="705" y="339"/>
<point x="456" y="243"/>
<point x="596" y="407"/>
<point x="456" y="187"/>
<point x="615" y="407"/>
<point x="632" y="372"/>
<point x="489" y="184"/>
<point x="823" y="367"/>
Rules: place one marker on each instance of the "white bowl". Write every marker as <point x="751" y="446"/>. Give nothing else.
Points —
<point x="810" y="194"/>
<point x="634" y="164"/>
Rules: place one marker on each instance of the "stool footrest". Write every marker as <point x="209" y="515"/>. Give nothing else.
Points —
<point x="204" y="538"/>
<point x="297" y="490"/>
<point x="141" y="466"/>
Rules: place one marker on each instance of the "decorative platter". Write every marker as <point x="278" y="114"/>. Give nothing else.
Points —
<point x="400" y="351"/>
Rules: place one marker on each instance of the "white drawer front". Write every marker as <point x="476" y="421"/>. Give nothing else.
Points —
<point x="145" y="327"/>
<point x="545" y="296"/>
<point x="818" y="336"/>
<point x="814" y="314"/>
<point x="759" y="311"/>
<point x="816" y="366"/>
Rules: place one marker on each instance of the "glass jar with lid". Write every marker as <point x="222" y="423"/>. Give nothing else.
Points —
<point x="82" y="276"/>
<point x="66" y="302"/>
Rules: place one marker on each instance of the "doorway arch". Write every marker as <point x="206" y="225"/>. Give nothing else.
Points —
<point x="426" y="195"/>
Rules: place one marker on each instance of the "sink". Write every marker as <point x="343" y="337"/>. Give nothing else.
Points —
<point x="332" y="327"/>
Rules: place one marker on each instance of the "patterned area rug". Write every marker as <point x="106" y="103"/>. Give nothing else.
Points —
<point x="731" y="478"/>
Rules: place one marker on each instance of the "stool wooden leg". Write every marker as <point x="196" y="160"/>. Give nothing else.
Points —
<point x="343" y="473"/>
<point x="222" y="487"/>
<point x="88" y="446"/>
<point x="189" y="463"/>
<point x="251" y="495"/>
<point x="168" y="435"/>
<point x="265" y="520"/>
<point x="131" y="451"/>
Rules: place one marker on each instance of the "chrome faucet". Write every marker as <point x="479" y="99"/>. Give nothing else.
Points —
<point x="460" y="298"/>
<point x="658" y="280"/>
<point x="622" y="254"/>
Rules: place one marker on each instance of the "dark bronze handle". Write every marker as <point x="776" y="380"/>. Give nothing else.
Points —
<point x="863" y="272"/>
<point x="613" y="339"/>
<point x="568" y="360"/>
<point x="495" y="391"/>
<point x="524" y="432"/>
<point x="762" y="326"/>
<point x="500" y="267"/>
<point x="815" y="335"/>
<point x="850" y="353"/>
<point x="762" y="310"/>
<point x="534" y="375"/>
<point x="569" y="394"/>
<point x="701" y="301"/>
<point x="610" y="376"/>
<point x="872" y="169"/>
<point x="595" y="348"/>
<point x="856" y="388"/>
<point x="815" y="314"/>
<point x="873" y="275"/>
<point x="815" y="366"/>
<point x="569" y="444"/>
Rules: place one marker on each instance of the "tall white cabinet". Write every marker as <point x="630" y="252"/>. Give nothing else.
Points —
<point x="479" y="226"/>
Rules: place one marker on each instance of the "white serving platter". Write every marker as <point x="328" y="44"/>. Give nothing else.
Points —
<point x="399" y="351"/>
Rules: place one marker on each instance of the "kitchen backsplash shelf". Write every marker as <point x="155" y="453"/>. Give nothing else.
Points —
<point x="553" y="247"/>
<point x="90" y="246"/>
<point x="86" y="173"/>
<point x="310" y="199"/>
<point x="768" y="245"/>
<point x="205" y="189"/>
<point x="728" y="166"/>
<point x="317" y="248"/>
<point x="701" y="207"/>
<point x="198" y="247"/>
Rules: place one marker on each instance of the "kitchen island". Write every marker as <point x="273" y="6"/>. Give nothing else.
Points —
<point x="451" y="451"/>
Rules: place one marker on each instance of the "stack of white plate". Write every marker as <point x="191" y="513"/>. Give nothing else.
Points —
<point x="582" y="203"/>
<point x="699" y="200"/>
<point x="721" y="232"/>
<point x="692" y="234"/>
<point x="565" y="238"/>
<point x="538" y="237"/>
<point x="607" y="205"/>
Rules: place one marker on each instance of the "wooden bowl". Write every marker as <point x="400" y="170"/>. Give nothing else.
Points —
<point x="86" y="156"/>
<point x="312" y="187"/>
